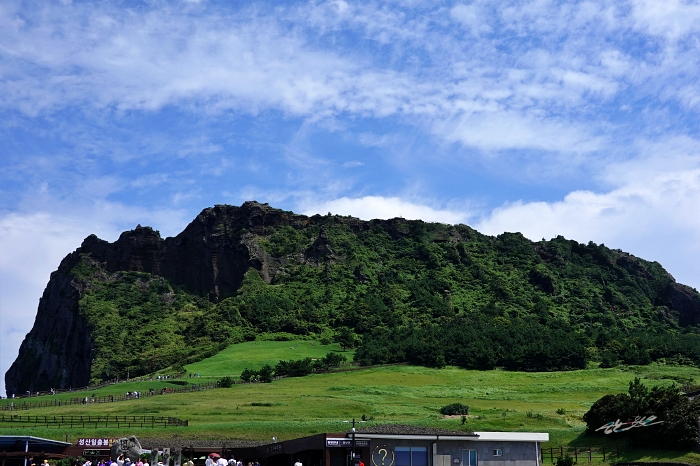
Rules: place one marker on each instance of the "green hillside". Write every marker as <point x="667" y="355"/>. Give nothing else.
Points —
<point x="394" y="290"/>
<point x="425" y="293"/>
<point x="499" y="400"/>
<point x="255" y="354"/>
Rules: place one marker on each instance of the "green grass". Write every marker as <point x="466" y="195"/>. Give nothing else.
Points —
<point x="295" y="407"/>
<point x="255" y="354"/>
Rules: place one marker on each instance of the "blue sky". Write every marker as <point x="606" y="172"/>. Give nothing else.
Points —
<point x="545" y="117"/>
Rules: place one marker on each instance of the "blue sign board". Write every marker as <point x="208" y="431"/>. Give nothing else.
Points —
<point x="346" y="443"/>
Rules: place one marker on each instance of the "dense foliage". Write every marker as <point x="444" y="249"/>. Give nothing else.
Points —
<point x="675" y="423"/>
<point x="477" y="342"/>
<point x="293" y="368"/>
<point x="401" y="290"/>
<point x="454" y="409"/>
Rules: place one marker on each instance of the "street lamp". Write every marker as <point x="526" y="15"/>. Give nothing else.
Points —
<point x="354" y="462"/>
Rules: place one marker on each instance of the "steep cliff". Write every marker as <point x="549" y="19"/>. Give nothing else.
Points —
<point x="143" y="302"/>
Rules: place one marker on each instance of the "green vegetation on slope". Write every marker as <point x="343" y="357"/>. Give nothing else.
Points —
<point x="140" y="324"/>
<point x="254" y="354"/>
<point x="401" y="281"/>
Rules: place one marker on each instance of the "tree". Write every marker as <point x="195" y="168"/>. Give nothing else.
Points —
<point x="246" y="375"/>
<point x="265" y="374"/>
<point x="454" y="409"/>
<point x="346" y="338"/>
<point x="673" y="417"/>
<point x="226" y="382"/>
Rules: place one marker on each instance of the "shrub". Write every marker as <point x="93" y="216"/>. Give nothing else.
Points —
<point x="454" y="409"/>
<point x="676" y="416"/>
<point x="226" y="382"/>
<point x="247" y="374"/>
<point x="565" y="460"/>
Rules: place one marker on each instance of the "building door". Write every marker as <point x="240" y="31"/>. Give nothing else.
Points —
<point x="468" y="457"/>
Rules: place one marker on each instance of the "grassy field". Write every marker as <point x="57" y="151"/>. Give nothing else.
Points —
<point x="255" y="354"/>
<point x="294" y="407"/>
<point x="552" y="402"/>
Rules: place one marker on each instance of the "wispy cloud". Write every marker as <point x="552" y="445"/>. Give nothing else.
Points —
<point x="371" y="207"/>
<point x="250" y="61"/>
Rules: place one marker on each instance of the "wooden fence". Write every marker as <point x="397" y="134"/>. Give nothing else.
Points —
<point x="15" y="405"/>
<point x="105" y="383"/>
<point x="91" y="421"/>
<point x="583" y="454"/>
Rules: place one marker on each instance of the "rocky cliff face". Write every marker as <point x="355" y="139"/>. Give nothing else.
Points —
<point x="57" y="351"/>
<point x="209" y="258"/>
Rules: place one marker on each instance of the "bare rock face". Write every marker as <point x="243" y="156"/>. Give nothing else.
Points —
<point x="210" y="258"/>
<point x="57" y="351"/>
<point x="685" y="300"/>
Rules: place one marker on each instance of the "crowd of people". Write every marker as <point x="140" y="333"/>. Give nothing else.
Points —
<point x="121" y="461"/>
<point x="212" y="460"/>
<point x="216" y="460"/>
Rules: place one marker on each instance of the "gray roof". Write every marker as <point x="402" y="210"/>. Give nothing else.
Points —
<point x="400" y="429"/>
<point x="199" y="443"/>
<point x="6" y="440"/>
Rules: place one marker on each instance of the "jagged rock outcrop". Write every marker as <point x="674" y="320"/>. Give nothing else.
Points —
<point x="210" y="258"/>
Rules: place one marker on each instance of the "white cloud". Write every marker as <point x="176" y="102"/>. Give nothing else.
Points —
<point x="472" y="16"/>
<point x="510" y="130"/>
<point x="671" y="19"/>
<point x="120" y="61"/>
<point x="378" y="207"/>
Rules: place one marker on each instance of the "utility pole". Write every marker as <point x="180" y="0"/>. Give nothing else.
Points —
<point x="354" y="462"/>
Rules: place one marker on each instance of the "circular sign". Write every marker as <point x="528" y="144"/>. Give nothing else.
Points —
<point x="382" y="456"/>
<point x="455" y="460"/>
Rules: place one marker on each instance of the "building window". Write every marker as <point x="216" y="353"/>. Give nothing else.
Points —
<point x="468" y="457"/>
<point x="497" y="452"/>
<point x="411" y="456"/>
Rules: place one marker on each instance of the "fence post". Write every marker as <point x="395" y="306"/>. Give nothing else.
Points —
<point x="576" y="454"/>
<point x="561" y="451"/>
<point x="603" y="454"/>
<point x="589" y="454"/>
